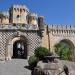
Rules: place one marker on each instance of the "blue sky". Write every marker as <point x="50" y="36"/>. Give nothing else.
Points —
<point x="54" y="11"/>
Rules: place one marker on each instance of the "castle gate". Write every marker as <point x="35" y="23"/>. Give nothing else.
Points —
<point x="20" y="32"/>
<point x="19" y="47"/>
<point x="18" y="41"/>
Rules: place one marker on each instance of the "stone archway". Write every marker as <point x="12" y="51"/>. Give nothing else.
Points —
<point x="19" y="49"/>
<point x="68" y="43"/>
<point x="12" y="43"/>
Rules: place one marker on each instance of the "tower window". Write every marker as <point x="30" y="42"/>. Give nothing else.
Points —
<point x="18" y="16"/>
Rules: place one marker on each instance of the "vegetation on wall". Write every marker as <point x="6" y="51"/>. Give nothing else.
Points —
<point x="63" y="50"/>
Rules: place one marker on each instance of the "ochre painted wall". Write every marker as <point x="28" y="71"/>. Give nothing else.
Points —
<point x="45" y="39"/>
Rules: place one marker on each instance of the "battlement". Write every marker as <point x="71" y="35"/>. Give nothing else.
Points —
<point x="19" y="14"/>
<point x="33" y="18"/>
<point x="20" y="7"/>
<point x="61" y="27"/>
<point x="33" y="14"/>
<point x="62" y="30"/>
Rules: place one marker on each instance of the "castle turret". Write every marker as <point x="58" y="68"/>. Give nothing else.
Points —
<point x="33" y="19"/>
<point x="41" y="22"/>
<point x="18" y="14"/>
<point x="4" y="18"/>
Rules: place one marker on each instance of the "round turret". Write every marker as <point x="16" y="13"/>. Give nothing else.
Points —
<point x="33" y="19"/>
<point x="41" y="22"/>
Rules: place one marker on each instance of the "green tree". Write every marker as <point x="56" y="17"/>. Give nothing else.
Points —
<point x="63" y="50"/>
<point x="41" y="52"/>
<point x="32" y="61"/>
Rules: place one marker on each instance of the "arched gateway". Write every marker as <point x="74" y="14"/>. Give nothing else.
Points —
<point x="17" y="48"/>
<point x="66" y="46"/>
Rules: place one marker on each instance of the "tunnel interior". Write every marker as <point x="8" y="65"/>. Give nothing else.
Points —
<point x="19" y="49"/>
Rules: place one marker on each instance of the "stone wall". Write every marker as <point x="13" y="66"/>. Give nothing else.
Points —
<point x="8" y="34"/>
<point x="58" y="33"/>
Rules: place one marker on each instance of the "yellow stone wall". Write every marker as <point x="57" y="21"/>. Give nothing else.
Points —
<point x="45" y="39"/>
<point x="0" y="20"/>
<point x="4" y="21"/>
<point x="21" y="18"/>
<point x="33" y="22"/>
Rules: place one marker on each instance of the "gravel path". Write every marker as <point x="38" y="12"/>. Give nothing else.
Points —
<point x="14" y="67"/>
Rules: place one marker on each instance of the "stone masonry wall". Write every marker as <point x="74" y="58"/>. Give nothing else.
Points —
<point x="33" y="41"/>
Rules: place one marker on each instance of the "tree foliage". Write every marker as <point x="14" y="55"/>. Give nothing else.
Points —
<point x="41" y="52"/>
<point x="63" y="50"/>
<point x="32" y="61"/>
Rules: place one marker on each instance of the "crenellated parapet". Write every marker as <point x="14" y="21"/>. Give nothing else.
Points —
<point x="33" y="18"/>
<point x="20" y="14"/>
<point x="20" y="8"/>
<point x="62" y="30"/>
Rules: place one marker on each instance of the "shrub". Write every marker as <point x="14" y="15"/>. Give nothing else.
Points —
<point x="32" y="61"/>
<point x="63" y="50"/>
<point x="41" y="52"/>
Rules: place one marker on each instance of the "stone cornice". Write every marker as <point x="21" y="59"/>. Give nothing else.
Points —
<point x="18" y="27"/>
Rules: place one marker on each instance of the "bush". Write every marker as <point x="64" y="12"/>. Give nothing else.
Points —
<point x="41" y="52"/>
<point x="63" y="50"/>
<point x="32" y="61"/>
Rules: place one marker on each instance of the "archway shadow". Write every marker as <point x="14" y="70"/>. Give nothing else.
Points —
<point x="20" y="49"/>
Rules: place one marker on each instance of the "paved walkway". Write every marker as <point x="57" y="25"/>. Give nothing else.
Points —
<point x="17" y="67"/>
<point x="71" y="66"/>
<point x="14" y="67"/>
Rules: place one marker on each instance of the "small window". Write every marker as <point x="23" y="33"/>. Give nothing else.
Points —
<point x="18" y="16"/>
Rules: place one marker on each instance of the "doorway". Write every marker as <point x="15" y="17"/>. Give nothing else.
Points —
<point x="19" y="49"/>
